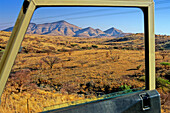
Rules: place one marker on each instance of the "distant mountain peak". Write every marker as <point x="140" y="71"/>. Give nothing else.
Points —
<point x="89" y="28"/>
<point x="113" y="31"/>
<point x="62" y="21"/>
<point x="97" y="29"/>
<point x="112" y="28"/>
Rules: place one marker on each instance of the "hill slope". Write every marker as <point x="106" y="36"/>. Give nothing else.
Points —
<point x="63" y="28"/>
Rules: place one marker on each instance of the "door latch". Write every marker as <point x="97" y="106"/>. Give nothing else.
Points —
<point x="146" y="105"/>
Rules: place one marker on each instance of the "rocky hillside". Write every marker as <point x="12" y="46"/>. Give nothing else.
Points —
<point x="63" y="28"/>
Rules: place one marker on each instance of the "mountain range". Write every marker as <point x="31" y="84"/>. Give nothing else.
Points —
<point x="63" y="28"/>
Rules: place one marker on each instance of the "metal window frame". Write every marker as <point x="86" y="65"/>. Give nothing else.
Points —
<point x="29" y="6"/>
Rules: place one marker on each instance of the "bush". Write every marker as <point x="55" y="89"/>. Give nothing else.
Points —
<point x="142" y="78"/>
<point x="124" y="87"/>
<point x="165" y="64"/>
<point x="94" y="46"/>
<point x="115" y="48"/>
<point x="160" y="83"/>
<point x="73" y="45"/>
<point x="51" y="48"/>
<point x="86" y="47"/>
<point x="21" y="81"/>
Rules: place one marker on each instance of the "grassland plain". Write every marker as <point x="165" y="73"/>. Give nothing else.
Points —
<point x="58" y="70"/>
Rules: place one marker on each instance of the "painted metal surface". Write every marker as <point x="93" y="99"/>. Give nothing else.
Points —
<point x="130" y="103"/>
<point x="129" y="3"/>
<point x="29" y="7"/>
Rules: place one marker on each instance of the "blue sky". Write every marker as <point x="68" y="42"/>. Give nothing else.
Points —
<point x="129" y="20"/>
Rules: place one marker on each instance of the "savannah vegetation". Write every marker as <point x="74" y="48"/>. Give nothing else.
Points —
<point x="59" y="70"/>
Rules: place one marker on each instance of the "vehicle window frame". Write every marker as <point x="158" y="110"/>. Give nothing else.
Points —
<point x="29" y="6"/>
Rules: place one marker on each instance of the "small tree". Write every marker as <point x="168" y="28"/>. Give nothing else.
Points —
<point x="51" y="60"/>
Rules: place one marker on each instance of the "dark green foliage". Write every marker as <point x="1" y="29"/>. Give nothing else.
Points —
<point x="124" y="87"/>
<point x="138" y="67"/>
<point x="161" y="49"/>
<point x="165" y="64"/>
<point x="160" y="83"/>
<point x="142" y="78"/>
<point x="94" y="46"/>
<point x="73" y="45"/>
<point x="86" y="47"/>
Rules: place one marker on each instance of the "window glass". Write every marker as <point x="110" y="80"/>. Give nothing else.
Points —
<point x="73" y="55"/>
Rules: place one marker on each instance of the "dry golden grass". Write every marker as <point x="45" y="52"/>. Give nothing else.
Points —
<point x="26" y="102"/>
<point x="81" y="73"/>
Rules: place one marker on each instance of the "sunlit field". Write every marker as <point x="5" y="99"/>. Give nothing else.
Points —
<point x="58" y="71"/>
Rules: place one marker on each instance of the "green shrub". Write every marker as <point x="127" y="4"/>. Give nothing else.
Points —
<point x="161" y="49"/>
<point x="86" y="48"/>
<point x="73" y="45"/>
<point x="94" y="46"/>
<point x="124" y="87"/>
<point x="142" y="78"/>
<point x="160" y="82"/>
<point x="165" y="64"/>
